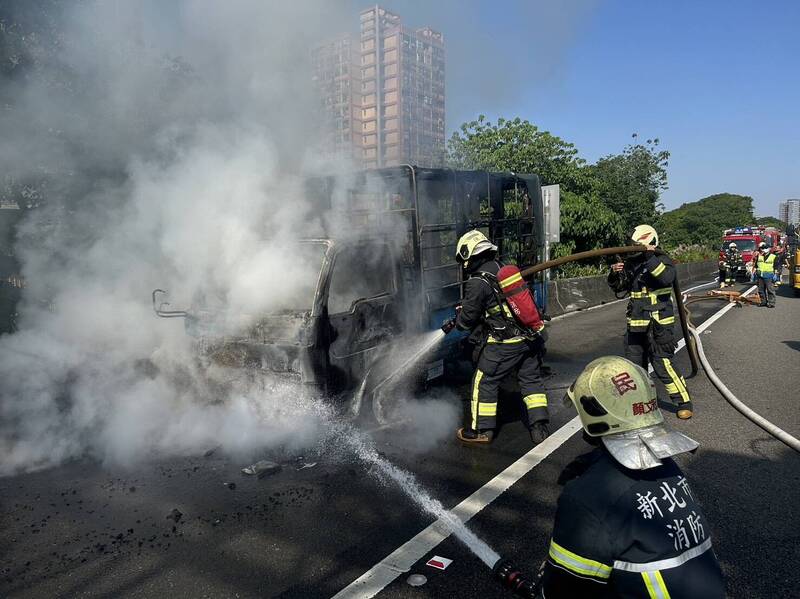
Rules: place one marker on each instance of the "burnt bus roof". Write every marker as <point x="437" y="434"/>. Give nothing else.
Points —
<point x="425" y="210"/>
<point x="434" y="198"/>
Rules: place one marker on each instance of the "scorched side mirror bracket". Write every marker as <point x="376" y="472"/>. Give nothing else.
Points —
<point x="161" y="312"/>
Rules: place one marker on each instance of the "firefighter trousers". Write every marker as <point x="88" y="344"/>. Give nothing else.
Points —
<point x="655" y="347"/>
<point x="727" y="275"/>
<point x="498" y="360"/>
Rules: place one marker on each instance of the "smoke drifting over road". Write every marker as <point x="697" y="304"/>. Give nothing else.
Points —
<point x="172" y="138"/>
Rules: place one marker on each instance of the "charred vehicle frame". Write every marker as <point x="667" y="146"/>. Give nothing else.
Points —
<point x="406" y="220"/>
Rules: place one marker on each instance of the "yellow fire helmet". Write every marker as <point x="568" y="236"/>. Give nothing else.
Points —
<point x="644" y="235"/>
<point x="616" y="401"/>
<point x="472" y="243"/>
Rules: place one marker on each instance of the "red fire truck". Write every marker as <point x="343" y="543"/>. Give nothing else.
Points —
<point x="746" y="240"/>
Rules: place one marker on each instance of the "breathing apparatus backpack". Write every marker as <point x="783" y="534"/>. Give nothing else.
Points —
<point x="511" y="290"/>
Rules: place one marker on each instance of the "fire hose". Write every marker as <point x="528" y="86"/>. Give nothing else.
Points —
<point x="504" y="571"/>
<point x="683" y="314"/>
<point x="748" y="413"/>
<point x="691" y="337"/>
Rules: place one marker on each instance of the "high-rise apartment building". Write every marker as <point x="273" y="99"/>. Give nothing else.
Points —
<point x="789" y="212"/>
<point x="396" y="92"/>
<point x="336" y="75"/>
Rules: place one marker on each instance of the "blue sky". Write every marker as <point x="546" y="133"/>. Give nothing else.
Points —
<point x="717" y="82"/>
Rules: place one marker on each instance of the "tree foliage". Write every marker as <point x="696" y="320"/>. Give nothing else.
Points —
<point x="598" y="202"/>
<point x="518" y="146"/>
<point x="586" y="224"/>
<point x="631" y="183"/>
<point x="702" y="222"/>
<point x="771" y="221"/>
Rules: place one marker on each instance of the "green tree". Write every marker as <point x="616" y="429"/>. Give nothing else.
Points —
<point x="586" y="224"/>
<point x="631" y="183"/>
<point x="518" y="146"/>
<point x="702" y="222"/>
<point x="771" y="221"/>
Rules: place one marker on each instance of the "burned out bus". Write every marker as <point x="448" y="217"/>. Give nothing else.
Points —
<point x="385" y="252"/>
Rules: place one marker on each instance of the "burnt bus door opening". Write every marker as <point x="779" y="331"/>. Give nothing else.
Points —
<point x="362" y="310"/>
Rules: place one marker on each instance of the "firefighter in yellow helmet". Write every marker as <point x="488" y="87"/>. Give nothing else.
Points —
<point x="503" y="345"/>
<point x="628" y="524"/>
<point x="651" y="338"/>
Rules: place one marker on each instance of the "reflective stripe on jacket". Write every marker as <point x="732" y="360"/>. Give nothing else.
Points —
<point x="480" y="305"/>
<point x="630" y="533"/>
<point x="649" y="282"/>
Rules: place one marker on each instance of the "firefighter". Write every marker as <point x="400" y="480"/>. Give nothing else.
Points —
<point x="650" y="337"/>
<point x="765" y="270"/>
<point x="627" y="524"/>
<point x="504" y="345"/>
<point x="729" y="266"/>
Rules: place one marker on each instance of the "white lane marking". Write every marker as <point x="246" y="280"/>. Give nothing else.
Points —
<point x="714" y="282"/>
<point x="404" y="557"/>
<point x="401" y="559"/>
<point x="584" y="310"/>
<point x="716" y="316"/>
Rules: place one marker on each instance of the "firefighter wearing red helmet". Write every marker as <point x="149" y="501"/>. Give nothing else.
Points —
<point x="509" y="334"/>
<point x="650" y="339"/>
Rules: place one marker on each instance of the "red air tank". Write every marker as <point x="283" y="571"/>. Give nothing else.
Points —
<point x="519" y="297"/>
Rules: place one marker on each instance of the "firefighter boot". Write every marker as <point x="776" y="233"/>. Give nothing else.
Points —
<point x="539" y="431"/>
<point x="473" y="437"/>
<point x="685" y="410"/>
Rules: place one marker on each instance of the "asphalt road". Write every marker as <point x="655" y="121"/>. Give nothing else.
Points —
<point x="81" y="530"/>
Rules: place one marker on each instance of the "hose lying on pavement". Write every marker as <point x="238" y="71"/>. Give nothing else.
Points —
<point x="748" y="413"/>
<point x="691" y="337"/>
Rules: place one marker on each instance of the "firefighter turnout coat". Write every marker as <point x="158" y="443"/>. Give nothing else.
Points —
<point x="505" y="349"/>
<point x="651" y="338"/>
<point x="733" y="260"/>
<point x="630" y="533"/>
<point x="648" y="279"/>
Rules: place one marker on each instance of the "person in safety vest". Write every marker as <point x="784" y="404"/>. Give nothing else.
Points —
<point x="766" y="271"/>
<point x="651" y="338"/>
<point x="628" y="523"/>
<point x="729" y="265"/>
<point x="507" y="339"/>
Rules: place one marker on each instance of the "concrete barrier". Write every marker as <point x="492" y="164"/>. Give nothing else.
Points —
<point x="570" y="295"/>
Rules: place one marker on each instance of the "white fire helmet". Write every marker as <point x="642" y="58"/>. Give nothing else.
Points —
<point x="644" y="235"/>
<point x="732" y="245"/>
<point x="616" y="401"/>
<point x="471" y="244"/>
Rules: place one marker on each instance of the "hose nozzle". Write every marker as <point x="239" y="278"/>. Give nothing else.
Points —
<point x="509" y="577"/>
<point x="449" y="325"/>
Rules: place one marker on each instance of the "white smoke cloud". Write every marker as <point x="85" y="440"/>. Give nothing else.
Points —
<point x="170" y="141"/>
<point x="174" y="136"/>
